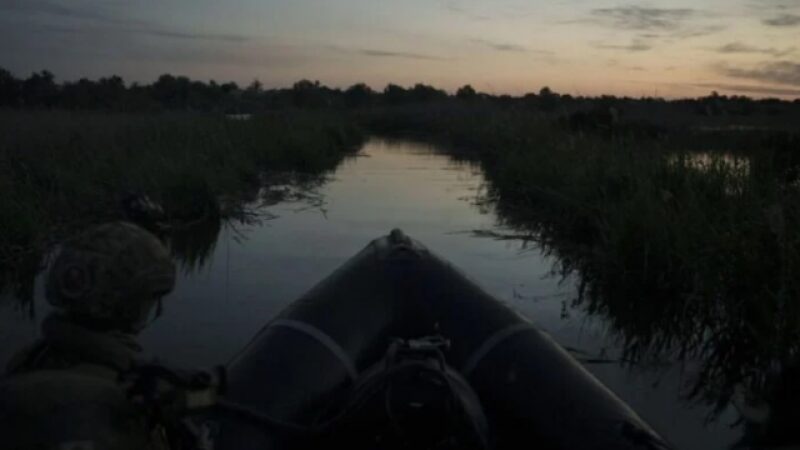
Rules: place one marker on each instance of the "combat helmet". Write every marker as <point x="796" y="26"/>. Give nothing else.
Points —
<point x="110" y="276"/>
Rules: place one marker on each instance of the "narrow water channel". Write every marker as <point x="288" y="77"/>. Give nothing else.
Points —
<point x="253" y="271"/>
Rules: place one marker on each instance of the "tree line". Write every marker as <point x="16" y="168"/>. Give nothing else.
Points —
<point x="40" y="90"/>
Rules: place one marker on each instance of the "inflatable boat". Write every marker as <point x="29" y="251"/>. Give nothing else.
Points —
<point x="398" y="318"/>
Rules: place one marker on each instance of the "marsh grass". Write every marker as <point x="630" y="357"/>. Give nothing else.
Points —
<point x="686" y="261"/>
<point x="60" y="171"/>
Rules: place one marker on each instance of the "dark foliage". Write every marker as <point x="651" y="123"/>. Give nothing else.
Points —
<point x="179" y="93"/>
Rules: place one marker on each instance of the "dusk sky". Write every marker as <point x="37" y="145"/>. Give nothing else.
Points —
<point x="670" y="48"/>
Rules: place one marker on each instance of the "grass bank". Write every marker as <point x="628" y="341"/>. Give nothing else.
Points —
<point x="60" y="171"/>
<point x="687" y="255"/>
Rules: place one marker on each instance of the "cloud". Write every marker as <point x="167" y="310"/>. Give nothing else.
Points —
<point x="383" y="53"/>
<point x="507" y="47"/>
<point x="492" y="11"/>
<point x="738" y="47"/>
<point x="114" y="22"/>
<point x="192" y="36"/>
<point x="781" y="72"/>
<point x="49" y="8"/>
<point x="102" y="51"/>
<point x="454" y="7"/>
<point x="144" y="31"/>
<point x="778" y="5"/>
<point x="500" y="46"/>
<point x="783" y="20"/>
<point x="742" y="88"/>
<point x="634" y="17"/>
<point x="396" y="54"/>
<point x="698" y="31"/>
<point x="652" y="26"/>
<point x="637" y="45"/>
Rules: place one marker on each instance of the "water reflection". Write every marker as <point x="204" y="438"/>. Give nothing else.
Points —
<point x="192" y="244"/>
<point x="708" y="161"/>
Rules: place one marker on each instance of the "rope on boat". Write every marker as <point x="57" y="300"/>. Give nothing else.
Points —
<point x="490" y="344"/>
<point x="322" y="338"/>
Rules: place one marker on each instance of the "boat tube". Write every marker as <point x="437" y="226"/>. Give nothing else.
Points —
<point x="532" y="392"/>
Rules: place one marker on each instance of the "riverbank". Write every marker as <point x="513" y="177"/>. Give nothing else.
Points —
<point x="60" y="171"/>
<point x="685" y="241"/>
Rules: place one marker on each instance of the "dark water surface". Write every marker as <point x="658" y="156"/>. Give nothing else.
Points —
<point x="250" y="272"/>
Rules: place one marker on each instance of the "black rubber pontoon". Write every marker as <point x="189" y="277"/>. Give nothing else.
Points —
<point x="534" y="394"/>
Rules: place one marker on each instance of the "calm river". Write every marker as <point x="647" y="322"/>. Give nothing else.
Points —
<point x="252" y="271"/>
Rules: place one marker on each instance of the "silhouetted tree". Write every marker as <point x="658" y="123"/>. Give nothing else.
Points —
<point x="111" y="92"/>
<point x="306" y="94"/>
<point x="548" y="100"/>
<point x="252" y="98"/>
<point x="424" y="93"/>
<point x="170" y="91"/>
<point x="395" y="95"/>
<point x="229" y="87"/>
<point x="712" y="105"/>
<point x="358" y="95"/>
<point x="81" y="94"/>
<point x="138" y="98"/>
<point x="466" y="92"/>
<point x="40" y="90"/>
<point x="255" y="87"/>
<point x="9" y="89"/>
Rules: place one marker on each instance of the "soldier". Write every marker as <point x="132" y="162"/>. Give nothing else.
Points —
<point x="104" y="285"/>
<point x="63" y="392"/>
